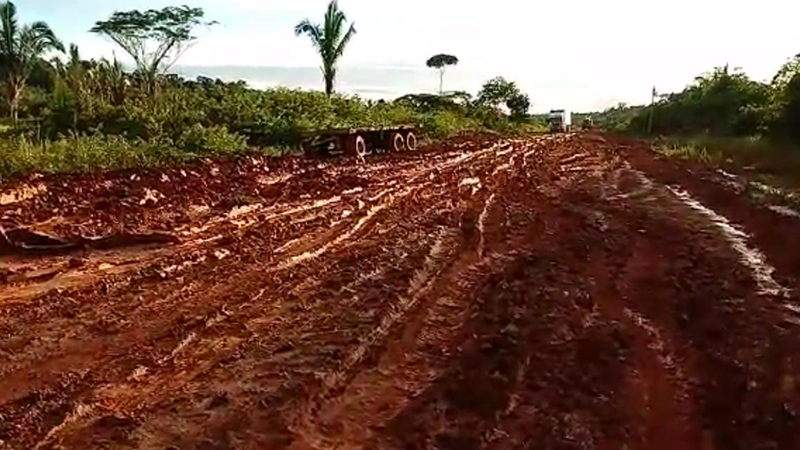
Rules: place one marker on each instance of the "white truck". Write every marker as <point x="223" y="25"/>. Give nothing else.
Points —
<point x="560" y="121"/>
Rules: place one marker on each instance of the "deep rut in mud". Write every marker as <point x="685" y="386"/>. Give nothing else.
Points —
<point x="549" y="292"/>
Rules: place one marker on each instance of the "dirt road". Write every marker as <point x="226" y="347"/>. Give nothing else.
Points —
<point x="552" y="292"/>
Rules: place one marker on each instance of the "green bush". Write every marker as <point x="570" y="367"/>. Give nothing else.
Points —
<point x="20" y="155"/>
<point x="214" y="140"/>
<point x="447" y="123"/>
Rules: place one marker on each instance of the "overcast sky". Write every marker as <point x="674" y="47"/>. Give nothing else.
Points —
<point x="580" y="54"/>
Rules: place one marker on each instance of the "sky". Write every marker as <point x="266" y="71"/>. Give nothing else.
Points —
<point x="580" y="54"/>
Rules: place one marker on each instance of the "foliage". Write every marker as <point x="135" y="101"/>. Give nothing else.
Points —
<point x="155" y="39"/>
<point x="198" y="139"/>
<point x="617" y="118"/>
<point x="519" y="105"/>
<point x="723" y="103"/>
<point x="496" y="92"/>
<point x="454" y="101"/>
<point x="84" y="115"/>
<point x="20" y="155"/>
<point x="773" y="163"/>
<point x="329" y="39"/>
<point x="186" y="119"/>
<point x="499" y="92"/>
<point x="787" y="122"/>
<point x="20" y="48"/>
<point x="784" y="112"/>
<point x="690" y="149"/>
<point x="786" y="73"/>
<point x="447" y="123"/>
<point x="441" y="62"/>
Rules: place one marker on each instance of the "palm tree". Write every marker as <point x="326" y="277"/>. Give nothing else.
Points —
<point x="73" y="72"/>
<point x="329" y="39"/>
<point x="111" y="81"/>
<point x="20" y="47"/>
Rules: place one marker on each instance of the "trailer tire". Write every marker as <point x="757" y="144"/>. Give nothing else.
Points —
<point x="361" y="147"/>
<point x="411" y="141"/>
<point x="397" y="143"/>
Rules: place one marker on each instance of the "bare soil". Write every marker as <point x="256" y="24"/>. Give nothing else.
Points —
<point x="564" y="292"/>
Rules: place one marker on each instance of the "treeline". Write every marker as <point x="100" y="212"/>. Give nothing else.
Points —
<point x="724" y="102"/>
<point x="91" y="97"/>
<point x="92" y="114"/>
<point x="71" y="114"/>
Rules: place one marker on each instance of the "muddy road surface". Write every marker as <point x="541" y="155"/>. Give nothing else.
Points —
<point x="567" y="292"/>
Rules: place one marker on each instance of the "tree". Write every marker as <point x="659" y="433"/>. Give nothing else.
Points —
<point x="499" y="92"/>
<point x="519" y="105"/>
<point x="329" y="39"/>
<point x="155" y="39"/>
<point x="784" y="108"/>
<point x="723" y="102"/>
<point x="71" y="85"/>
<point x="786" y="73"/>
<point x="440" y="63"/>
<point x="789" y="119"/>
<point x="110" y="80"/>
<point x="74" y="71"/>
<point x="20" y="49"/>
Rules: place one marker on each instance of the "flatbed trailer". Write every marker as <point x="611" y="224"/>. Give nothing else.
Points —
<point x="362" y="141"/>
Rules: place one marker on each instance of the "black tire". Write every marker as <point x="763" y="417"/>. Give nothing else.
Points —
<point x="361" y="147"/>
<point x="411" y="141"/>
<point x="397" y="143"/>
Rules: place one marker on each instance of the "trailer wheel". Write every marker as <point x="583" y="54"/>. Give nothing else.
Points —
<point x="361" y="147"/>
<point x="411" y="141"/>
<point x="397" y="142"/>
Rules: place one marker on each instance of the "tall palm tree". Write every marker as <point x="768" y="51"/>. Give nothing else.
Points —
<point x="329" y="39"/>
<point x="73" y="72"/>
<point x="20" y="48"/>
<point x="111" y="80"/>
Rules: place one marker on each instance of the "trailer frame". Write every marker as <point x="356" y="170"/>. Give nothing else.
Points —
<point x="361" y="141"/>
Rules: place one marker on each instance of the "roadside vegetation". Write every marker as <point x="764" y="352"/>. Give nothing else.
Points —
<point x="722" y="103"/>
<point x="66" y="114"/>
<point x="724" y="119"/>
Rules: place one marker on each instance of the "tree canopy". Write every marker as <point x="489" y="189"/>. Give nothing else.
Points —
<point x="441" y="61"/>
<point x="155" y="39"/>
<point x="787" y="72"/>
<point x="519" y="105"/>
<point x="499" y="92"/>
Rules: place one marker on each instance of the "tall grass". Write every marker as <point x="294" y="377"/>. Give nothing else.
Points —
<point x="21" y="155"/>
<point x="755" y="152"/>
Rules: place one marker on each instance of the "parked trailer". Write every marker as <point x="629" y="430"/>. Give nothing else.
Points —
<point x="361" y="142"/>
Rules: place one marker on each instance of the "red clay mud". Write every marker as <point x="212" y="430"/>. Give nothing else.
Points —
<point x="551" y="292"/>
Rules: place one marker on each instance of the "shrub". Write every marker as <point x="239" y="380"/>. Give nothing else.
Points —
<point x="20" y="155"/>
<point x="447" y="123"/>
<point x="215" y="140"/>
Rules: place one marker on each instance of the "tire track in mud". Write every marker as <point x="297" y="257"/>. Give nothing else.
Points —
<point x="498" y="294"/>
<point x="379" y="332"/>
<point x="358" y="225"/>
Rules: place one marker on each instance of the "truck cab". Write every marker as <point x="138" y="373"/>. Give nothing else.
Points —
<point x="559" y="121"/>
